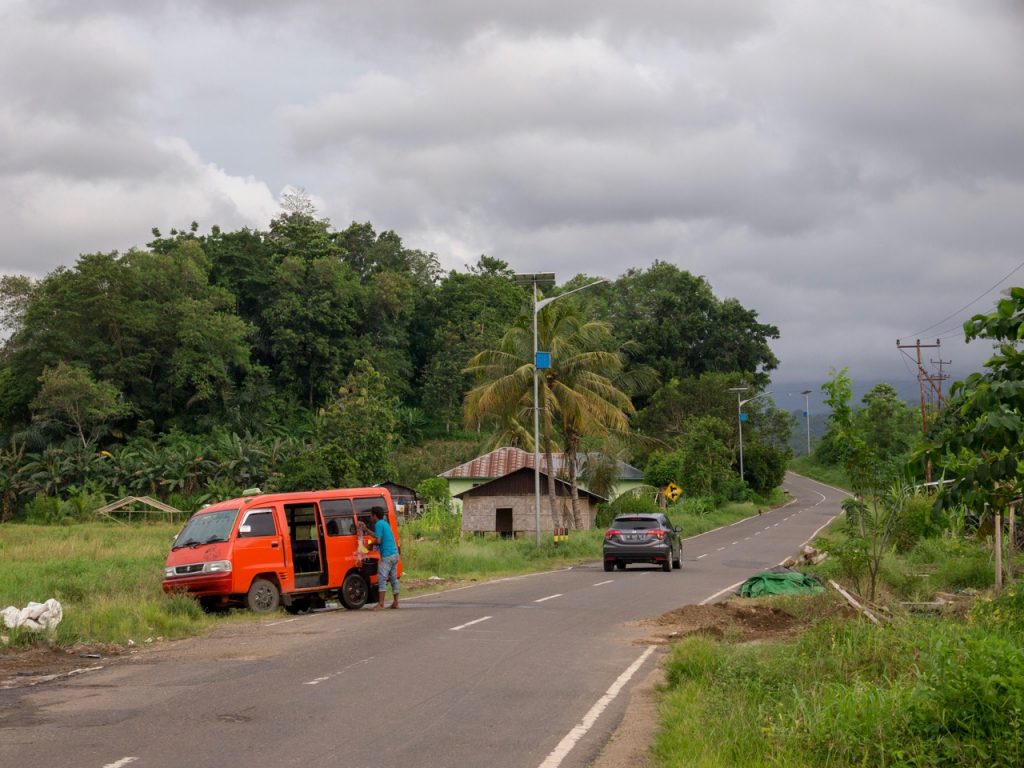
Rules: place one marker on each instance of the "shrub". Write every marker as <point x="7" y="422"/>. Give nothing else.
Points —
<point x="438" y="521"/>
<point x="764" y="466"/>
<point x="1004" y="613"/>
<point x="434" y="489"/>
<point x="634" y="503"/>
<point x="698" y="506"/>
<point x="918" y="521"/>
<point x="43" y="510"/>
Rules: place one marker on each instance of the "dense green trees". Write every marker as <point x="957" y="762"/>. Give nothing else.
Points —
<point x="302" y="355"/>
<point x="979" y="442"/>
<point x="681" y="328"/>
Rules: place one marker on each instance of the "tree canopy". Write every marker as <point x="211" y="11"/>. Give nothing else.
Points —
<point x="245" y="347"/>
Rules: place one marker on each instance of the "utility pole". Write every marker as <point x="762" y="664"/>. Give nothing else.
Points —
<point x="941" y="377"/>
<point x="934" y="387"/>
<point x="923" y="377"/>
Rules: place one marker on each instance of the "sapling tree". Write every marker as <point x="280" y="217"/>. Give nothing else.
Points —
<point x="879" y="495"/>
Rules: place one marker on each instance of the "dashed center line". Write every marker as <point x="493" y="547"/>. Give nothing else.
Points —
<point x="121" y="763"/>
<point x="325" y="678"/>
<point x="700" y="556"/>
<point x="549" y="597"/>
<point x="470" y="623"/>
<point x="602" y="583"/>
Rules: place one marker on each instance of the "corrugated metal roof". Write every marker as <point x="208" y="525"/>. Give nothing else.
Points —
<point x="502" y="461"/>
<point x="497" y="463"/>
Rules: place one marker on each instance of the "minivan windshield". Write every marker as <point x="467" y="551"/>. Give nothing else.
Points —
<point x="206" y="528"/>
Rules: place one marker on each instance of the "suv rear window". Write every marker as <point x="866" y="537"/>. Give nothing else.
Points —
<point x="636" y="523"/>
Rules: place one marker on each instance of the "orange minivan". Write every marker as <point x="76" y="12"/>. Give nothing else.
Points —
<point x="298" y="550"/>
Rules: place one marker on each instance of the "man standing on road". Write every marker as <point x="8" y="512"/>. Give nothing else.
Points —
<point x="387" y="570"/>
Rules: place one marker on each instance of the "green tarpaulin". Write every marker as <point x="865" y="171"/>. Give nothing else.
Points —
<point x="780" y="583"/>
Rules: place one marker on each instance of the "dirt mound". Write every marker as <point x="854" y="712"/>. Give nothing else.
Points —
<point x="737" y="620"/>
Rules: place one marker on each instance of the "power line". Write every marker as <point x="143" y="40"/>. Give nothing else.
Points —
<point x="1011" y="273"/>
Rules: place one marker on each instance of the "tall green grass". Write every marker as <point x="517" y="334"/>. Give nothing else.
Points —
<point x="106" y="577"/>
<point x="916" y="693"/>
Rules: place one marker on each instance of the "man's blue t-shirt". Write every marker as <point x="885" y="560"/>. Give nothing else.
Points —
<point x="385" y="539"/>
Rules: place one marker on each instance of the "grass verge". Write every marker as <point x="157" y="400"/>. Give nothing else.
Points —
<point x="834" y="476"/>
<point x="914" y="693"/>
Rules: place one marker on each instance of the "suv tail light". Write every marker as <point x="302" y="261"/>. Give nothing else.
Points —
<point x="659" y="533"/>
<point x="610" y="533"/>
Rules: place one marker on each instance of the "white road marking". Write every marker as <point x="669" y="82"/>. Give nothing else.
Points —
<point x="549" y="597"/>
<point x="565" y="746"/>
<point x="283" y="621"/>
<point x="700" y="556"/>
<point x="734" y="543"/>
<point x="720" y="549"/>
<point x="470" y="623"/>
<point x="721" y="592"/>
<point x="319" y="680"/>
<point x="120" y="763"/>
<point x="601" y="583"/>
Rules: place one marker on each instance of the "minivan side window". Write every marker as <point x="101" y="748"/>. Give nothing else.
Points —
<point x="365" y="507"/>
<point x="338" y="517"/>
<point x="260" y="522"/>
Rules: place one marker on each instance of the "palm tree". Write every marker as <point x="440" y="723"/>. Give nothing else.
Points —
<point x="583" y="393"/>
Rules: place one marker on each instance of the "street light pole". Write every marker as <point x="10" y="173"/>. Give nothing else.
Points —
<point x="535" y="280"/>
<point x="739" y="419"/>
<point x="807" y="416"/>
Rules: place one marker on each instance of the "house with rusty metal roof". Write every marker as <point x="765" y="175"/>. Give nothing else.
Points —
<point x="504" y="461"/>
<point x="507" y="506"/>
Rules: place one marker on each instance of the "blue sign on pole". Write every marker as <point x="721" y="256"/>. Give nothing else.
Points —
<point x="543" y="361"/>
<point x="743" y="417"/>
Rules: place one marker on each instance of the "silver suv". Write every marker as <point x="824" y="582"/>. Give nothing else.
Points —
<point x="642" y="538"/>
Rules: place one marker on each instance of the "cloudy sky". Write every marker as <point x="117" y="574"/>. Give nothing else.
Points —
<point x="853" y="170"/>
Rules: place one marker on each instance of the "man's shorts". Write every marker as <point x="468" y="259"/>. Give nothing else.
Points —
<point x="388" y="571"/>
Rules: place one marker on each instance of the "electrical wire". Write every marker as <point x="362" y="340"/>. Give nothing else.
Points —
<point x="1011" y="273"/>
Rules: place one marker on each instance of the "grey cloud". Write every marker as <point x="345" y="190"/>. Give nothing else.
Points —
<point x="364" y="26"/>
<point x="89" y="70"/>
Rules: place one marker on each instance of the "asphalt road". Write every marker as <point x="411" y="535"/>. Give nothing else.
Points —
<point x="525" y="672"/>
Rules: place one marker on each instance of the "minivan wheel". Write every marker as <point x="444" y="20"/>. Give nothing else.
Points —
<point x="354" y="591"/>
<point x="666" y="566"/>
<point x="263" y="596"/>
<point x="678" y="562"/>
<point x="608" y="565"/>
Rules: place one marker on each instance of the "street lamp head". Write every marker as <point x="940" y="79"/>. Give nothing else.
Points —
<point x="807" y="392"/>
<point x="538" y="279"/>
<point x="755" y="397"/>
<point x="544" y="302"/>
<point x="738" y="389"/>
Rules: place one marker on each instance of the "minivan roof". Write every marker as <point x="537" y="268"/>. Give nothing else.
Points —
<point x="270" y="498"/>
